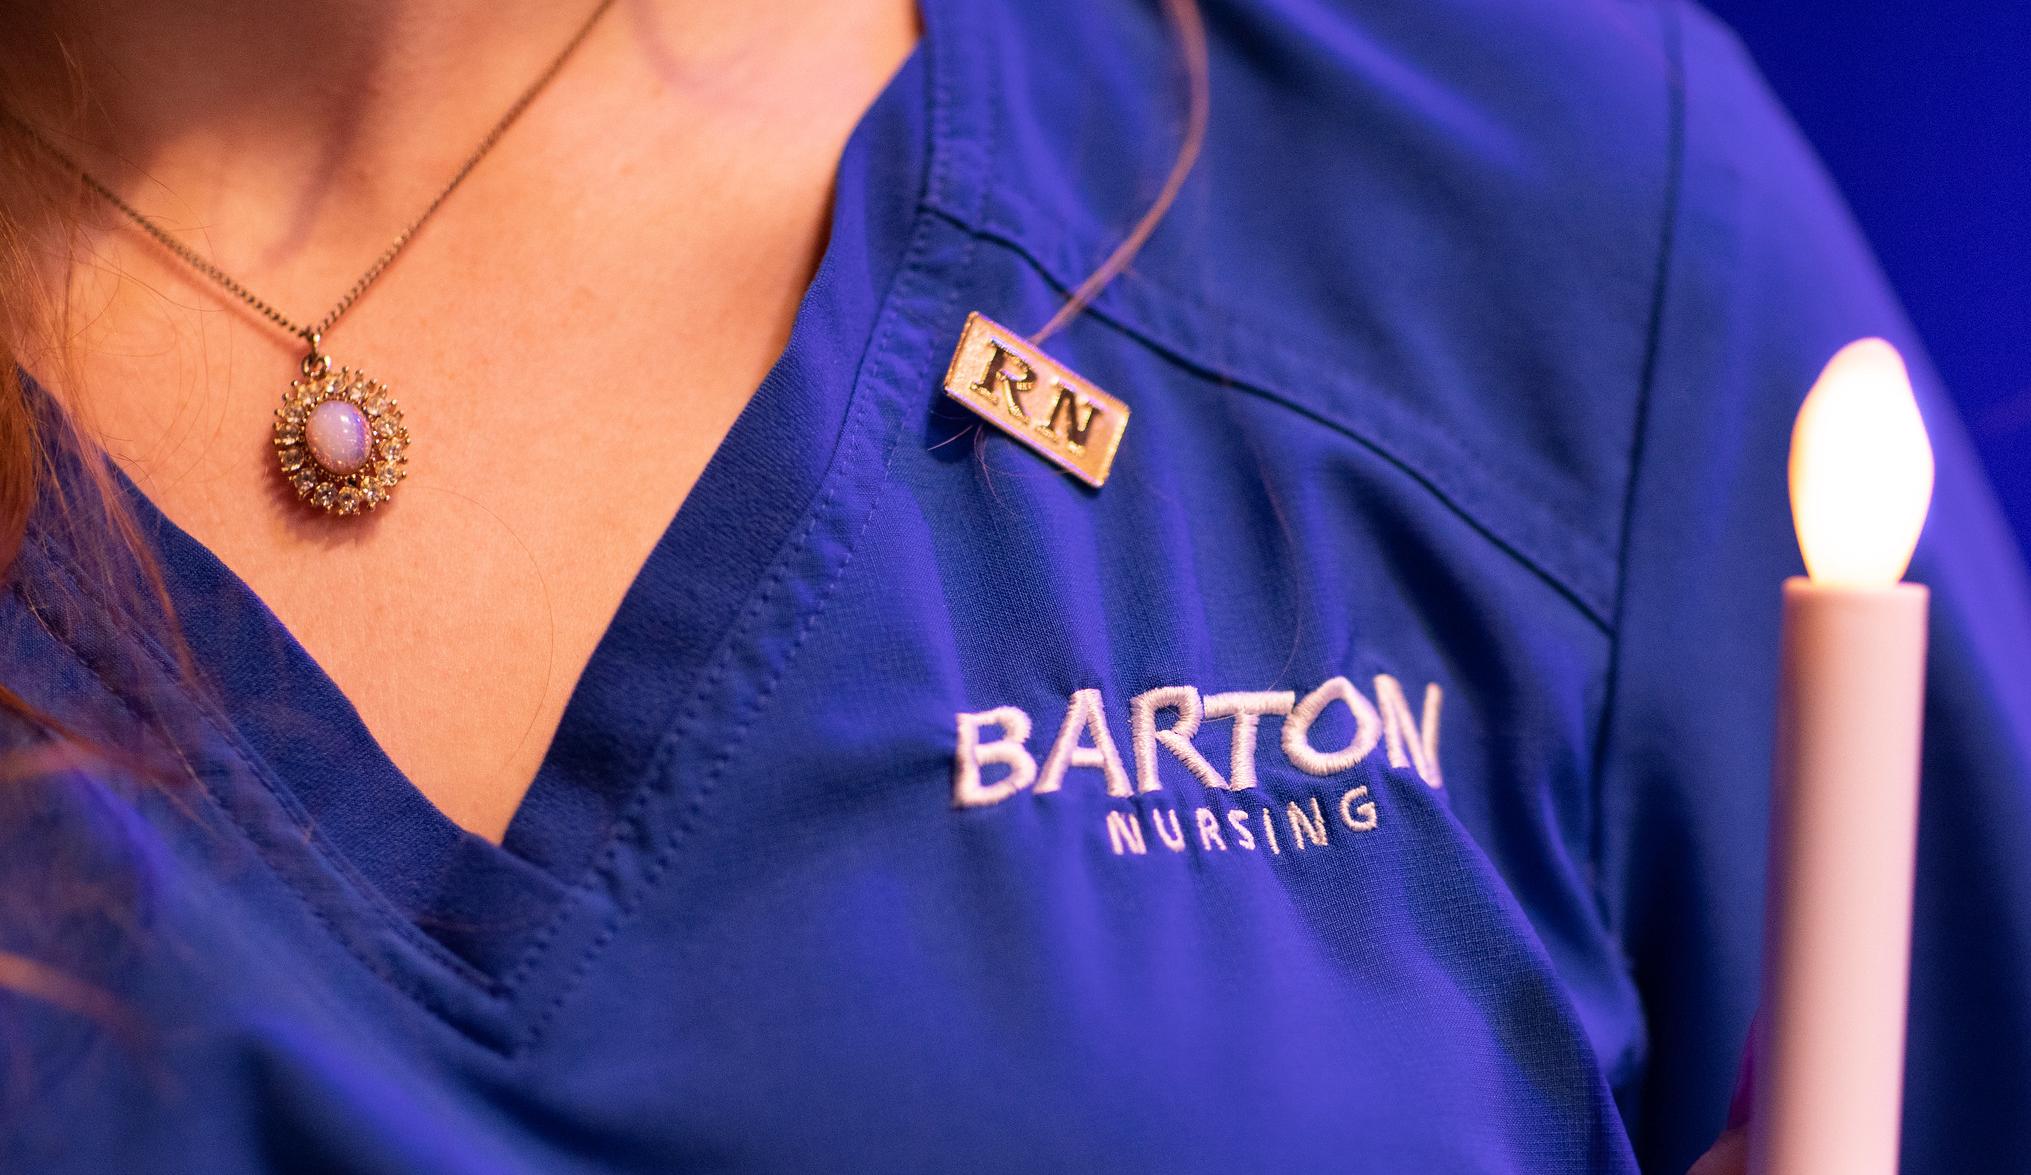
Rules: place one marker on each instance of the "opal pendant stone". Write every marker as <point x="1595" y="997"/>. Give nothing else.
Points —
<point x="336" y="433"/>
<point x="340" y="441"/>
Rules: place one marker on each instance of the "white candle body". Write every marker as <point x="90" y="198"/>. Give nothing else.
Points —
<point x="1843" y="838"/>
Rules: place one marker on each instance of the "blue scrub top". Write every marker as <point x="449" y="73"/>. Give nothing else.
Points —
<point x="1371" y="777"/>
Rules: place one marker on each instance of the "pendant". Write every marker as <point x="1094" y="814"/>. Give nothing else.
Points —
<point x="1025" y="393"/>
<point x="339" y="438"/>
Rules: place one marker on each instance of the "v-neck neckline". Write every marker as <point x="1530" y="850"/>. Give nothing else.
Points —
<point x="676" y="608"/>
<point x="760" y="538"/>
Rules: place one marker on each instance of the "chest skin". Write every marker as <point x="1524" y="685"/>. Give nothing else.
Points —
<point x="570" y="338"/>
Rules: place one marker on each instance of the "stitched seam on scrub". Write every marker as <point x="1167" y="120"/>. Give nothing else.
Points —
<point x="1581" y="600"/>
<point x="654" y="779"/>
<point x="229" y="736"/>
<point x="1671" y="36"/>
<point x="688" y="819"/>
<point x="262" y="849"/>
<point x="870" y="396"/>
<point x="1015" y="233"/>
<point x="1117" y="305"/>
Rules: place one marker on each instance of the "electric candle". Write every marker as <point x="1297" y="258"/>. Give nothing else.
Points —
<point x="1844" y="804"/>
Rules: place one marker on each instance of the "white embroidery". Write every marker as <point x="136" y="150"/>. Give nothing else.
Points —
<point x="1246" y="708"/>
<point x="1083" y="740"/>
<point x="1084" y="716"/>
<point x="1124" y="829"/>
<point x="1297" y="729"/>
<point x="1008" y="750"/>
<point x="1401" y="731"/>
<point x="1302" y="826"/>
<point x="1367" y="810"/>
<point x="1209" y="829"/>
<point x="1143" y="733"/>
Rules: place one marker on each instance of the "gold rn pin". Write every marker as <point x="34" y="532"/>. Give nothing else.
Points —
<point x="1031" y="397"/>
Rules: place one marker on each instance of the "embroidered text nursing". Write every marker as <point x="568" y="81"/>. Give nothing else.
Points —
<point x="993" y="760"/>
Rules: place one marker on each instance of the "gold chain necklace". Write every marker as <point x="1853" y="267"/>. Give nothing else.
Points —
<point x="340" y="440"/>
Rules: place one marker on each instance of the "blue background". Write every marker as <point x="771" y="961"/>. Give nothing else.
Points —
<point x="1922" y="111"/>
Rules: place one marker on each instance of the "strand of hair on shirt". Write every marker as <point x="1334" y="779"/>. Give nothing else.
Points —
<point x="1190" y="28"/>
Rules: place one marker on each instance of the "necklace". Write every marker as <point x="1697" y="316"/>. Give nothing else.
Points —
<point x="340" y="440"/>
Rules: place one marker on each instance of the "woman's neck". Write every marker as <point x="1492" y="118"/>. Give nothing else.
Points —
<point x="208" y="112"/>
<point x="572" y="335"/>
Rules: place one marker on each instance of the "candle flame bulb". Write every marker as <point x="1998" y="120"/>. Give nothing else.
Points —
<point x="1861" y="469"/>
<point x="1829" y="1083"/>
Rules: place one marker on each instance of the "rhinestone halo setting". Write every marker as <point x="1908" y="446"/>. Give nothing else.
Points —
<point x="317" y="431"/>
